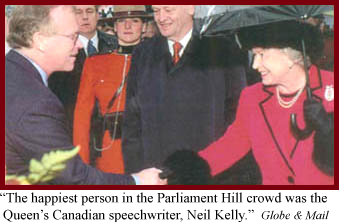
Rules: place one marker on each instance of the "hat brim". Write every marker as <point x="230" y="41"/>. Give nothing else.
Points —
<point x="131" y="14"/>
<point x="282" y="35"/>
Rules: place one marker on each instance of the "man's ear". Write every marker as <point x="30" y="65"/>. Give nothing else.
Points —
<point x="97" y="16"/>
<point x="115" y="27"/>
<point x="39" y="41"/>
<point x="190" y="9"/>
<point x="144" y="27"/>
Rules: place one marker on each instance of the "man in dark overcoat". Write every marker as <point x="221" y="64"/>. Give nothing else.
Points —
<point x="179" y="97"/>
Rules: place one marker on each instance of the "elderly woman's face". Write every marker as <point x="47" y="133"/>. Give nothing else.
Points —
<point x="272" y="64"/>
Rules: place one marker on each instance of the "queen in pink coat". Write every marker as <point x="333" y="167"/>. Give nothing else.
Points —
<point x="263" y="117"/>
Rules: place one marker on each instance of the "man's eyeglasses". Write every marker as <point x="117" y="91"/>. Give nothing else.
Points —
<point x="73" y="37"/>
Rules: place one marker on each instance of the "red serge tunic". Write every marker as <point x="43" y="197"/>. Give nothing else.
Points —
<point x="264" y="126"/>
<point x="102" y="76"/>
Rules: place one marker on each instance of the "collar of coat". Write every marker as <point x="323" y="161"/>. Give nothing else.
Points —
<point x="314" y="77"/>
<point x="22" y="62"/>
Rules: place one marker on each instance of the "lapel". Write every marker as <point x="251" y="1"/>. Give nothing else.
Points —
<point x="107" y="43"/>
<point x="163" y="55"/>
<point x="78" y="66"/>
<point x="81" y="57"/>
<point x="189" y="54"/>
<point x="266" y="105"/>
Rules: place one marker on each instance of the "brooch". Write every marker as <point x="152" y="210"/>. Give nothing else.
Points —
<point x="329" y="93"/>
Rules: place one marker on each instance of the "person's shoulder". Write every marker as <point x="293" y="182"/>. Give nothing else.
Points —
<point x="327" y="74"/>
<point x="110" y="41"/>
<point x="253" y="90"/>
<point x="150" y="43"/>
<point x="99" y="57"/>
<point x="31" y="98"/>
<point x="147" y="48"/>
<point x="219" y="42"/>
<point x="326" y="77"/>
<point x="223" y="49"/>
<point x="106" y="37"/>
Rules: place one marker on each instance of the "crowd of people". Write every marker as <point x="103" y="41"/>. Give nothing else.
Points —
<point x="141" y="87"/>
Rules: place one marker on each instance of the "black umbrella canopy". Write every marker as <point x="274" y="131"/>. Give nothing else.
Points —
<point x="215" y="19"/>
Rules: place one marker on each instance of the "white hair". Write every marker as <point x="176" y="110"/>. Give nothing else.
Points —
<point x="296" y="56"/>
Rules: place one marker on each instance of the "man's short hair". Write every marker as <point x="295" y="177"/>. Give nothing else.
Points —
<point x="27" y="20"/>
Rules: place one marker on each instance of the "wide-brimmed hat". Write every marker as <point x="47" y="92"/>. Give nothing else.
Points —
<point x="130" y="11"/>
<point x="282" y="35"/>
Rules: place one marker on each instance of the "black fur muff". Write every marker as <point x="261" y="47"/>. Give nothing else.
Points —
<point x="186" y="167"/>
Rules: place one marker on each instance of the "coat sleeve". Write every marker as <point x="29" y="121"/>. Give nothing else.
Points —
<point x="131" y="128"/>
<point x="42" y="129"/>
<point x="83" y="111"/>
<point x="233" y="145"/>
<point x="236" y="82"/>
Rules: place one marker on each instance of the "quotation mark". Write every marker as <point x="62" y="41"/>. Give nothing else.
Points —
<point x="250" y="211"/>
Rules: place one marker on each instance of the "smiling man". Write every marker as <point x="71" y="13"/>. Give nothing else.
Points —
<point x="182" y="90"/>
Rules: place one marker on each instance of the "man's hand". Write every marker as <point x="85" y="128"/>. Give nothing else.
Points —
<point x="150" y="177"/>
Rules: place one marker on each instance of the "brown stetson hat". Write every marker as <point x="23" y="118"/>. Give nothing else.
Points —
<point x="130" y="11"/>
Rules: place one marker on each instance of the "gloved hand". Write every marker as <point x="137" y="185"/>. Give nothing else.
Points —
<point x="323" y="152"/>
<point x="323" y="123"/>
<point x="186" y="167"/>
<point x="316" y="116"/>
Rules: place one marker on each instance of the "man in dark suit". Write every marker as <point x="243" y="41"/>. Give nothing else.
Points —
<point x="66" y="84"/>
<point x="44" y="39"/>
<point x="182" y="91"/>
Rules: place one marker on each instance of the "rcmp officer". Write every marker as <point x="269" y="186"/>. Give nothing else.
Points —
<point x="66" y="84"/>
<point x="102" y="91"/>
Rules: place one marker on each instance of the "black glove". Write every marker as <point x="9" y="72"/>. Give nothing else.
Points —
<point x="323" y="152"/>
<point x="323" y="123"/>
<point x="186" y="167"/>
<point x="316" y="116"/>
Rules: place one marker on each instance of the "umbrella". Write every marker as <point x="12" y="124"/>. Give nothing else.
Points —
<point x="211" y="20"/>
<point x="214" y="19"/>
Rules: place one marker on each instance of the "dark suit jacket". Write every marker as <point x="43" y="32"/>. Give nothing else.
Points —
<point x="186" y="106"/>
<point x="35" y="124"/>
<point x="66" y="84"/>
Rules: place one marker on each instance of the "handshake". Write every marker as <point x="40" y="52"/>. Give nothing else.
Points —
<point x="149" y="176"/>
<point x="183" y="167"/>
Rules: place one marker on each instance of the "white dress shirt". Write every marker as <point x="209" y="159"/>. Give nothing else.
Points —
<point x="184" y="42"/>
<point x="95" y="41"/>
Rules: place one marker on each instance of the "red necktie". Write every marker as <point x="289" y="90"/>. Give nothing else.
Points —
<point x="176" y="48"/>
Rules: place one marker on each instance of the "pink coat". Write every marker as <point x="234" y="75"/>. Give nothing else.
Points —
<point x="262" y="126"/>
